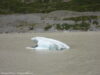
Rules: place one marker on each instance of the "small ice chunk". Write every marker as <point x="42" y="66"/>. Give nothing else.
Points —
<point x="43" y="43"/>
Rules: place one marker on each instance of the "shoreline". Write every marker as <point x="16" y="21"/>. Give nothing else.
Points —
<point x="39" y="22"/>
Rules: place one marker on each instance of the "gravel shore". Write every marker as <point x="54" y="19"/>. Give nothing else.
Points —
<point x="37" y="21"/>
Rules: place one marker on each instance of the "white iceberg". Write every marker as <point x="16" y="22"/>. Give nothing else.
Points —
<point x="43" y="43"/>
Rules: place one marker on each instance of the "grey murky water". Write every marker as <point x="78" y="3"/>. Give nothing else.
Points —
<point x="82" y="59"/>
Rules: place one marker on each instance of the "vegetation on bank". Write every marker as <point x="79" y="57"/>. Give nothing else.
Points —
<point x="82" y="18"/>
<point x="47" y="27"/>
<point x="24" y="24"/>
<point x="83" y="26"/>
<point x="81" y="23"/>
<point x="17" y="6"/>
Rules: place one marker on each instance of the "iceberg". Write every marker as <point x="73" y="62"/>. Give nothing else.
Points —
<point x="43" y="43"/>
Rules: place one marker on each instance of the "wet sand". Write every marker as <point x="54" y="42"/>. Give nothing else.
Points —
<point x="82" y="59"/>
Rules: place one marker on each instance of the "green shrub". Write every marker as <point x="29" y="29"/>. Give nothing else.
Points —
<point x="81" y="18"/>
<point x="31" y="26"/>
<point x="48" y="27"/>
<point x="83" y="26"/>
<point x="95" y="22"/>
<point x="45" y="6"/>
<point x="59" y="27"/>
<point x="67" y="26"/>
